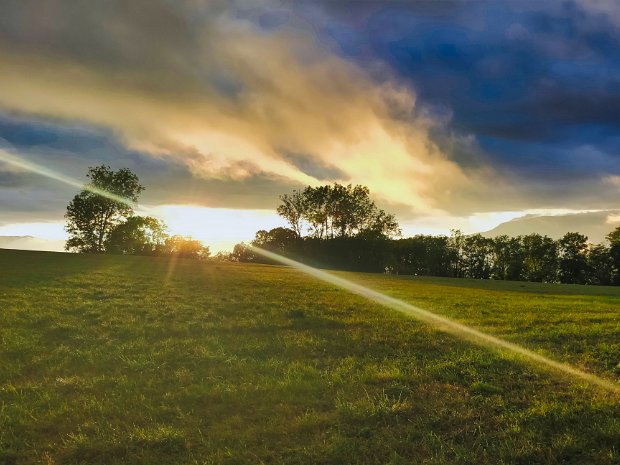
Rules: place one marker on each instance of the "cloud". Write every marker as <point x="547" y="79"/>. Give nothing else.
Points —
<point x="69" y="149"/>
<point x="447" y="109"/>
<point x="516" y="71"/>
<point x="228" y="92"/>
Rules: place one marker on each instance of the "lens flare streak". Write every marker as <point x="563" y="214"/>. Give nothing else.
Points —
<point x="46" y="172"/>
<point x="442" y="323"/>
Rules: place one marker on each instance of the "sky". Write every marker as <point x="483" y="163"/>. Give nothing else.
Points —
<point x="456" y="114"/>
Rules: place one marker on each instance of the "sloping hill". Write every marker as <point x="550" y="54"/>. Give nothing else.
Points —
<point x="145" y="360"/>
<point x="30" y="243"/>
<point x="595" y="225"/>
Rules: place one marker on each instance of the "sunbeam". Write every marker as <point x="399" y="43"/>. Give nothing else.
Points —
<point x="440" y="322"/>
<point x="443" y="323"/>
<point x="48" y="173"/>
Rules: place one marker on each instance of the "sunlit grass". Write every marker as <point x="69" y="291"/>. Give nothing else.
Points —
<point x="106" y="360"/>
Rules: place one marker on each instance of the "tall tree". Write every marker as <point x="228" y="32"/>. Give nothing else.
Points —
<point x="614" y="251"/>
<point x="317" y="210"/>
<point x="600" y="265"/>
<point x="293" y="209"/>
<point x="456" y="249"/>
<point x="572" y="258"/>
<point x="92" y="214"/>
<point x="539" y="258"/>
<point x="336" y="211"/>
<point x="477" y="256"/>
<point x="506" y="258"/>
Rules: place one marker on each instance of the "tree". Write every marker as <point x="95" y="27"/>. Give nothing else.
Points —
<point x="317" y="210"/>
<point x="572" y="258"/>
<point x="139" y="235"/>
<point x="506" y="258"/>
<point x="185" y="247"/>
<point x="242" y="253"/>
<point x="600" y="265"/>
<point x="276" y="240"/>
<point x="456" y="249"/>
<point x="336" y="211"/>
<point x="293" y="210"/>
<point x="539" y="258"/>
<point x="92" y="215"/>
<point x="477" y="256"/>
<point x="614" y="251"/>
<point x="423" y="255"/>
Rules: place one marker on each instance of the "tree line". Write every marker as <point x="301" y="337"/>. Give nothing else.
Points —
<point x="101" y="219"/>
<point x="340" y="227"/>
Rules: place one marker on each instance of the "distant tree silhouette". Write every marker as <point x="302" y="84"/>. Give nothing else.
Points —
<point x="477" y="256"/>
<point x="600" y="265"/>
<point x="91" y="216"/>
<point x="293" y="209"/>
<point x="276" y="240"/>
<point x="279" y="240"/>
<point x="614" y="251"/>
<point x="539" y="258"/>
<point x="506" y="258"/>
<point x="572" y="258"/>
<point x="456" y="248"/>
<point x="242" y="253"/>
<point x="524" y="258"/>
<point x="336" y="226"/>
<point x="331" y="211"/>
<point x="138" y="235"/>
<point x="185" y="247"/>
<point x="423" y="255"/>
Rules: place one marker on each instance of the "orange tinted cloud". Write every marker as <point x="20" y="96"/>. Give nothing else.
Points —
<point x="231" y="100"/>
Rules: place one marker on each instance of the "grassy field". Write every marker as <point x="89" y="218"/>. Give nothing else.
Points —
<point x="111" y="360"/>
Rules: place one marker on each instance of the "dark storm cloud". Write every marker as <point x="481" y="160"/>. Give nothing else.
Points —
<point x="543" y="74"/>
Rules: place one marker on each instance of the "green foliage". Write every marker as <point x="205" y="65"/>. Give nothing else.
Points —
<point x="92" y="216"/>
<point x="292" y="209"/>
<point x="100" y="219"/>
<point x="573" y="262"/>
<point x="614" y="251"/>
<point x="600" y="265"/>
<point x="506" y="258"/>
<point x="423" y="255"/>
<point x="335" y="211"/>
<point x="185" y="247"/>
<point x="276" y="240"/>
<point x="477" y="256"/>
<point x="533" y="258"/>
<point x="352" y="234"/>
<point x="110" y="359"/>
<point x="138" y="235"/>
<point x="539" y="258"/>
<point x="242" y="253"/>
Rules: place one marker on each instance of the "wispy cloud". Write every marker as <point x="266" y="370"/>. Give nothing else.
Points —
<point x="446" y="110"/>
<point x="228" y="97"/>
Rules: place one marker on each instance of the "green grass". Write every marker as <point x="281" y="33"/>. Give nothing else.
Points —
<point x="111" y="360"/>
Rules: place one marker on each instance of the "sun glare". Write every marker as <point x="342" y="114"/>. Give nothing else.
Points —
<point x="219" y="228"/>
